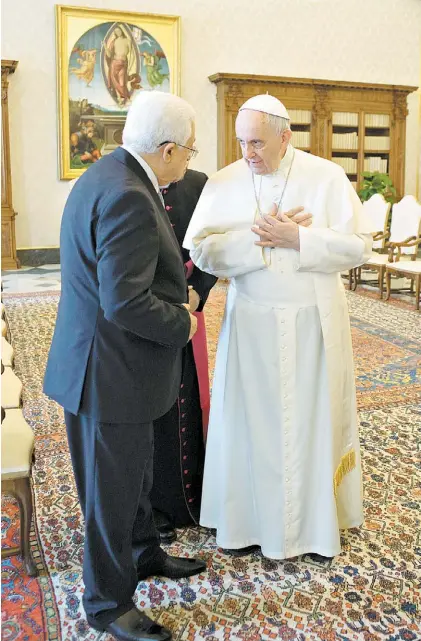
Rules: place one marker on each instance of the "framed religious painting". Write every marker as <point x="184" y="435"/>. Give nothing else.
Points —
<point x="104" y="58"/>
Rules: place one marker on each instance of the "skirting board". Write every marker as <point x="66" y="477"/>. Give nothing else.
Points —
<point x="38" y="256"/>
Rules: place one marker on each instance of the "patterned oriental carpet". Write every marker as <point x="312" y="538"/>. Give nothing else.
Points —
<point x="372" y="591"/>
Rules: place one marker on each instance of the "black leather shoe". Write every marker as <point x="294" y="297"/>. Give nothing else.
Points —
<point x="135" y="626"/>
<point x="167" y="534"/>
<point x="171" y="567"/>
<point x="243" y="551"/>
<point x="319" y="558"/>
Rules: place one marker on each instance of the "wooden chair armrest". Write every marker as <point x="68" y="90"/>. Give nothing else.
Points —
<point x="414" y="243"/>
<point x="408" y="242"/>
<point x="381" y="235"/>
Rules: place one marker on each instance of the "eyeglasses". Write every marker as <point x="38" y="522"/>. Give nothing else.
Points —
<point x="193" y="150"/>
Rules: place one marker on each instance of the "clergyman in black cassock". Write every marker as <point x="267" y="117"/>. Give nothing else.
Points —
<point x="180" y="433"/>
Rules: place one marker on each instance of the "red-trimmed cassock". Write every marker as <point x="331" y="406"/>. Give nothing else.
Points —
<point x="181" y="433"/>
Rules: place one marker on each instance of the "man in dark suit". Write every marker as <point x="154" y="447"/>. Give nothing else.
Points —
<point x="115" y="359"/>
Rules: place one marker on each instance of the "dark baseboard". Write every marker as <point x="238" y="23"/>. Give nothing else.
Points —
<point x="37" y="257"/>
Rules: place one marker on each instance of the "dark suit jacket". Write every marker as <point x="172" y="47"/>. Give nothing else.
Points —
<point x="180" y="201"/>
<point x="121" y="327"/>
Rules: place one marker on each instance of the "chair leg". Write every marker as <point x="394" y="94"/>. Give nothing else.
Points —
<point x="350" y="276"/>
<point x="24" y="497"/>
<point x="355" y="275"/>
<point x="388" y="284"/>
<point x="417" y="290"/>
<point x="381" y="280"/>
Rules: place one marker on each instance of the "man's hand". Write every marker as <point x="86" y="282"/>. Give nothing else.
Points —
<point x="194" y="299"/>
<point x="296" y="215"/>
<point x="193" y="322"/>
<point x="277" y="232"/>
<point x="281" y="230"/>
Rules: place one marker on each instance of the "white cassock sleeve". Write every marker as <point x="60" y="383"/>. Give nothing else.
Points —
<point x="228" y="254"/>
<point x="325" y="250"/>
<point x="347" y="241"/>
<point x="219" y="235"/>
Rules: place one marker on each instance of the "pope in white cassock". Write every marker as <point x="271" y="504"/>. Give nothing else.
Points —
<point x="283" y="462"/>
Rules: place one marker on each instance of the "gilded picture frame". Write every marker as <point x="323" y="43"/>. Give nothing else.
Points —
<point x="103" y="59"/>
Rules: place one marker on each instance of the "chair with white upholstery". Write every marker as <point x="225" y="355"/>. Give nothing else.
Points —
<point x="17" y="446"/>
<point x="11" y="389"/>
<point x="377" y="209"/>
<point x="405" y="232"/>
<point x="410" y="269"/>
<point x="7" y="353"/>
<point x="405" y="269"/>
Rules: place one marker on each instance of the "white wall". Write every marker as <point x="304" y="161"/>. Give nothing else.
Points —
<point x="361" y="40"/>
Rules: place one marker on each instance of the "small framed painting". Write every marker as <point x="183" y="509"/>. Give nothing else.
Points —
<point x="104" y="58"/>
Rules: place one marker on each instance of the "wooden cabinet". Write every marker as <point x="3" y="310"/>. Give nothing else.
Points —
<point x="359" y="126"/>
<point x="8" y="239"/>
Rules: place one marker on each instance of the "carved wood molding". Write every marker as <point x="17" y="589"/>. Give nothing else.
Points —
<point x="7" y="67"/>
<point x="8" y="238"/>
<point x="321" y="102"/>
<point x="233" y="103"/>
<point x="232" y="79"/>
<point x="320" y="116"/>
<point x="400" y="107"/>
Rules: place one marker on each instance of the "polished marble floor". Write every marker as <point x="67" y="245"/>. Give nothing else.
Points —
<point x="31" y="279"/>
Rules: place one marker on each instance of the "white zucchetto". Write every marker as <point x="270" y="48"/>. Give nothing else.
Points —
<point x="266" y="104"/>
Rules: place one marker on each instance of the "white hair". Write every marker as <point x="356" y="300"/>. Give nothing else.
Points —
<point x="279" y="124"/>
<point x="156" y="117"/>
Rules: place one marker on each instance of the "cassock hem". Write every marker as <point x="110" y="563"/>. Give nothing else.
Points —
<point x="281" y="556"/>
<point x="350" y="525"/>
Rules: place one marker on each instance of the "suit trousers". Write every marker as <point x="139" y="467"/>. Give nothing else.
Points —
<point x="113" y="468"/>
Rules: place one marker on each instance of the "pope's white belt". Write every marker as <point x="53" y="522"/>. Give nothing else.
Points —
<point x="275" y="289"/>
